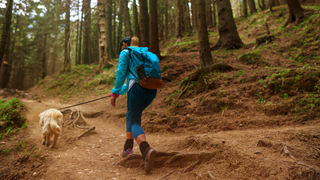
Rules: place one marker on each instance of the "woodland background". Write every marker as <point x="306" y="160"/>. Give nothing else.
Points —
<point x="41" y="38"/>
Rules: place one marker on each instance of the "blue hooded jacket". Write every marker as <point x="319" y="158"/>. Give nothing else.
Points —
<point x="122" y="70"/>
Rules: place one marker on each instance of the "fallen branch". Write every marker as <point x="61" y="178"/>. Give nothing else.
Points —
<point x="286" y="152"/>
<point x="166" y="175"/>
<point x="92" y="128"/>
<point x="184" y="90"/>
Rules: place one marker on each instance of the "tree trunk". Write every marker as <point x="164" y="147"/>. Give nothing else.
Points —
<point x="126" y="16"/>
<point x="194" y="16"/>
<point x="262" y="4"/>
<point x="214" y="12"/>
<point x="205" y="52"/>
<point x="120" y="17"/>
<point x="135" y="20"/>
<point x="166" y="21"/>
<point x="80" y="36"/>
<point x="67" y="64"/>
<point x="187" y="20"/>
<point x="44" y="57"/>
<point x="87" y="30"/>
<point x="103" y="33"/>
<point x="144" y="23"/>
<point x="208" y="14"/>
<point x="252" y="6"/>
<point x="154" y="40"/>
<point x="245" y="8"/>
<point x="114" y="28"/>
<point x="5" y="46"/>
<point x="77" y="37"/>
<point x="178" y="33"/>
<point x="229" y="37"/>
<point x="296" y="12"/>
<point x="108" y="14"/>
<point x="161" y="19"/>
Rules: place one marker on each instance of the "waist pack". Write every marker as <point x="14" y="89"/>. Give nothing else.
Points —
<point x="148" y="69"/>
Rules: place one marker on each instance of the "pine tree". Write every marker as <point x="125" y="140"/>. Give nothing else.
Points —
<point x="205" y="52"/>
<point x="296" y="12"/>
<point x="126" y="17"/>
<point x="153" y="27"/>
<point x="144" y="23"/>
<point x="228" y="34"/>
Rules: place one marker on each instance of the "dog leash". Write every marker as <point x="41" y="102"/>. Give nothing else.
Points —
<point x="86" y="102"/>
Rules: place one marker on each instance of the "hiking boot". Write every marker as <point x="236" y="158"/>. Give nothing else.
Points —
<point x="126" y="153"/>
<point x="149" y="160"/>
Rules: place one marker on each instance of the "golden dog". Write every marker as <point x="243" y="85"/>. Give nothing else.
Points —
<point x="51" y="125"/>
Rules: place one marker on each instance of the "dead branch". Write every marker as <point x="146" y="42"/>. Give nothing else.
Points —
<point x="296" y="162"/>
<point x="184" y="90"/>
<point x="92" y="128"/>
<point x="166" y="175"/>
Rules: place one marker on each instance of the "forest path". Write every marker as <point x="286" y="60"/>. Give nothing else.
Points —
<point x="95" y="155"/>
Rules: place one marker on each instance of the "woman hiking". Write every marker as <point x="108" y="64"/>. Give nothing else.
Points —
<point x="138" y="99"/>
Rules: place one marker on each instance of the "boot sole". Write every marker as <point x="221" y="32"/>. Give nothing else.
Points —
<point x="151" y="159"/>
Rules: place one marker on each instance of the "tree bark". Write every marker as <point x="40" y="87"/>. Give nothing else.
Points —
<point x="229" y="37"/>
<point x="67" y="64"/>
<point x="205" y="52"/>
<point x="87" y="31"/>
<point x="108" y="14"/>
<point x="154" y="37"/>
<point x="214" y="12"/>
<point x="5" y="46"/>
<point x="178" y="32"/>
<point x="194" y="16"/>
<point x="103" y="34"/>
<point x="252" y="6"/>
<point x="296" y="12"/>
<point x="114" y="28"/>
<point x="136" y="26"/>
<point x="187" y="20"/>
<point x="80" y="36"/>
<point x="77" y="36"/>
<point x="209" y="14"/>
<point x="144" y="23"/>
<point x="120" y="25"/>
<point x="44" y="57"/>
<point x="245" y="8"/>
<point x="166" y="21"/>
<point x="127" y="22"/>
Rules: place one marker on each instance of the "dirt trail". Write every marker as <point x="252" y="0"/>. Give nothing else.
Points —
<point x="95" y="155"/>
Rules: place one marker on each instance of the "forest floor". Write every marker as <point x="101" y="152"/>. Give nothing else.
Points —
<point x="253" y="115"/>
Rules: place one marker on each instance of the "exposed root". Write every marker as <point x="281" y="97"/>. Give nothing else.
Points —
<point x="286" y="152"/>
<point x="192" y="166"/>
<point x="166" y="175"/>
<point x="75" y="121"/>
<point x="184" y="90"/>
<point x="186" y="155"/>
<point x="299" y="163"/>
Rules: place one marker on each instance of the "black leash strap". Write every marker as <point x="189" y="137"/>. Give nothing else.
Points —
<point x="87" y="102"/>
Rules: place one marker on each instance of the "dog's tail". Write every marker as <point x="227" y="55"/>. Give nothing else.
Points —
<point x="54" y="125"/>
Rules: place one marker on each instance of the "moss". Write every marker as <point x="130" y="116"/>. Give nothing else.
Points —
<point x="253" y="58"/>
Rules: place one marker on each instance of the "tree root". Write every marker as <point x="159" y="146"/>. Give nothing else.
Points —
<point x="166" y="175"/>
<point x="75" y="121"/>
<point x="299" y="163"/>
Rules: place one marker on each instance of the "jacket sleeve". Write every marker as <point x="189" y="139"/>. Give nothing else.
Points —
<point x="122" y="73"/>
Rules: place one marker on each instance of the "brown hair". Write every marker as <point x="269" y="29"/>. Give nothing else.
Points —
<point x="135" y="41"/>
